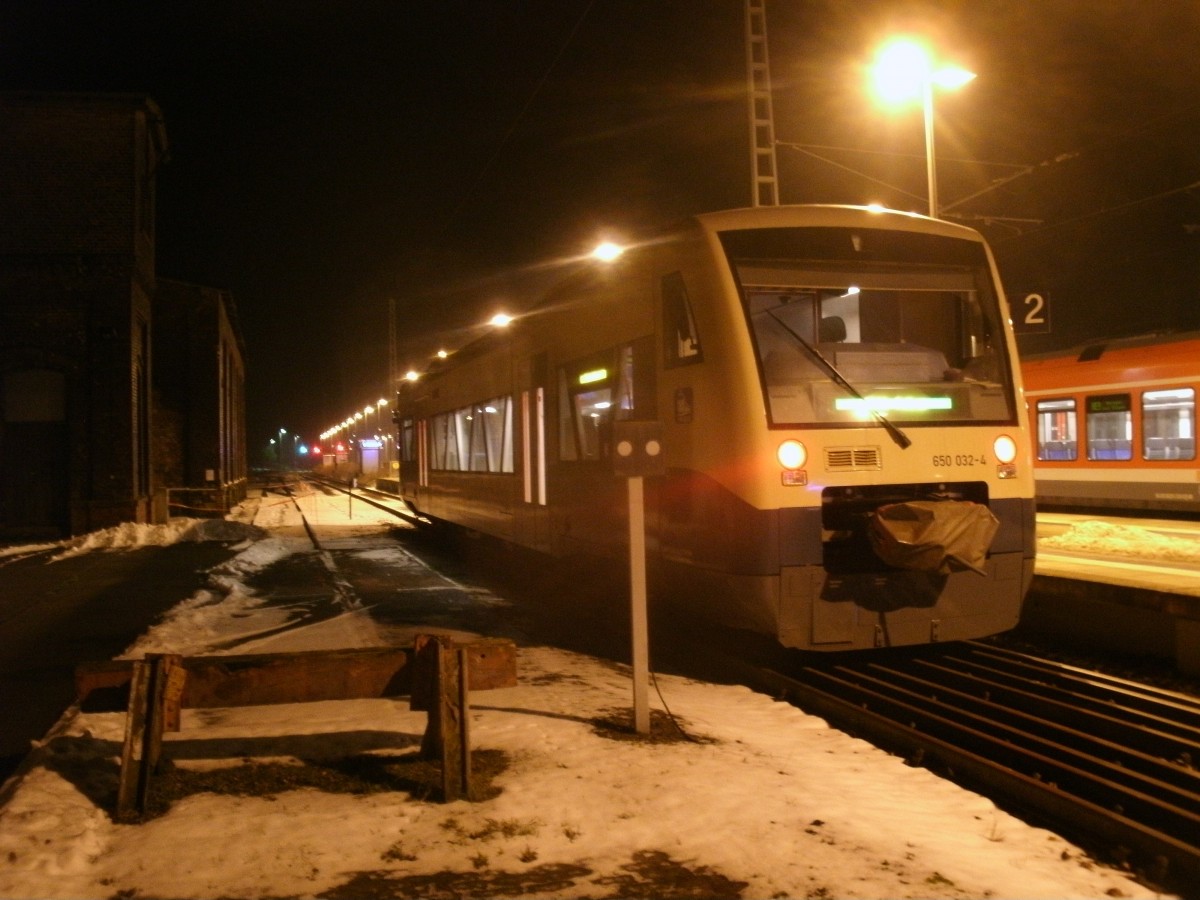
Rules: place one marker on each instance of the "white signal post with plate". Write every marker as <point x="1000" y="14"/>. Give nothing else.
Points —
<point x="637" y="452"/>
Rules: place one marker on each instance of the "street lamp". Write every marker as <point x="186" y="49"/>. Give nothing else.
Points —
<point x="903" y="72"/>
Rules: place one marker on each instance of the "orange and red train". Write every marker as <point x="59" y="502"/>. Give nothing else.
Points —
<point x="1114" y="423"/>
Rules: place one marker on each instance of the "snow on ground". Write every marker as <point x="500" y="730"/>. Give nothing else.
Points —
<point x="767" y="801"/>
<point x="1112" y="539"/>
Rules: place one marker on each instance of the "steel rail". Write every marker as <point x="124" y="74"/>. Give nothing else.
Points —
<point x="1153" y="751"/>
<point x="399" y="507"/>
<point x="1146" y="823"/>
<point x="1095" y="686"/>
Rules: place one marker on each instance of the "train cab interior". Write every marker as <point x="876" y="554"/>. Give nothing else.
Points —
<point x="930" y="352"/>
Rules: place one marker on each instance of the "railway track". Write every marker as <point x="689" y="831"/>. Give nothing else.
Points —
<point x="382" y="500"/>
<point x="1109" y="763"/>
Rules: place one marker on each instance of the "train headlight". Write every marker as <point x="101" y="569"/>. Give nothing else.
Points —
<point x="792" y="455"/>
<point x="1005" y="448"/>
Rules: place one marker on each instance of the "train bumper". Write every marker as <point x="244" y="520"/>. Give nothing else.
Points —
<point x="823" y="611"/>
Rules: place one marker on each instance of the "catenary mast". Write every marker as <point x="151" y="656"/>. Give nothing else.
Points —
<point x="764" y="184"/>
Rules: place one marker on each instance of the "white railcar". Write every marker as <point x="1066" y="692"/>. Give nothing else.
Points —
<point x="824" y="377"/>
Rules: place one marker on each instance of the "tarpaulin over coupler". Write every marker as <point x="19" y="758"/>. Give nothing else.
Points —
<point x="942" y="536"/>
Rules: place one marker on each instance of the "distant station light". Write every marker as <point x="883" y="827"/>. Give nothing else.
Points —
<point x="607" y="251"/>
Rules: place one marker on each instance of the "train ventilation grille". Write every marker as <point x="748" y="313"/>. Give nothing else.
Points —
<point x="852" y="459"/>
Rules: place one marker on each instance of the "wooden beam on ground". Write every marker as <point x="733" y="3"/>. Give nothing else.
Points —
<point x="217" y="681"/>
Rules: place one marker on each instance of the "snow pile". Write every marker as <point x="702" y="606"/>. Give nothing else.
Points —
<point x="26" y="549"/>
<point x="1106" y="539"/>
<point x="131" y="535"/>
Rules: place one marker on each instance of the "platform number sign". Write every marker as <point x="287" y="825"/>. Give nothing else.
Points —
<point x="1030" y="312"/>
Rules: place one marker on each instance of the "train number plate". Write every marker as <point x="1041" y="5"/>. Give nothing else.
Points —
<point x="947" y="460"/>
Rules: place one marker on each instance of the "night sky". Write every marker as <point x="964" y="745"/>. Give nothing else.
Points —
<point x="332" y="159"/>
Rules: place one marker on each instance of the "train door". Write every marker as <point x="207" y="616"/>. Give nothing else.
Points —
<point x="533" y="525"/>
<point x="413" y="458"/>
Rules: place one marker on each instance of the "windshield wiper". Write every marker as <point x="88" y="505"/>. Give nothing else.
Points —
<point x="901" y="439"/>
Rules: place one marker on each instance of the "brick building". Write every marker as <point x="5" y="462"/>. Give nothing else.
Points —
<point x="199" y="446"/>
<point x="79" y="445"/>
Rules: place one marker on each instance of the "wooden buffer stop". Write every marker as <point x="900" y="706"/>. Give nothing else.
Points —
<point x="437" y="673"/>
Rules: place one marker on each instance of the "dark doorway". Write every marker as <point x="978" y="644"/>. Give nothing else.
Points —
<point x="34" y="472"/>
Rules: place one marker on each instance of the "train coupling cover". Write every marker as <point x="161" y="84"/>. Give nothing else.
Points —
<point x="942" y="536"/>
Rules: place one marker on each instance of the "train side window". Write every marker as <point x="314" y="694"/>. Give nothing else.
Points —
<point x="477" y="455"/>
<point x="636" y="398"/>
<point x="477" y="438"/>
<point x="681" y="340"/>
<point x="441" y="428"/>
<point x="1109" y="427"/>
<point x="1057" y="437"/>
<point x="496" y="416"/>
<point x="593" y="410"/>
<point x="458" y="442"/>
<point x="1169" y="424"/>
<point x="586" y="408"/>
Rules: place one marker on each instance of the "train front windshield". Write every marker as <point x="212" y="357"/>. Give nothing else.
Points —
<point x="849" y="324"/>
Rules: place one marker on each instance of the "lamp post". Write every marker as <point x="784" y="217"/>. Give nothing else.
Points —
<point x="903" y="72"/>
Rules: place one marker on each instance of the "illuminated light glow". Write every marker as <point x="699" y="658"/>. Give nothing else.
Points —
<point x="316" y="451"/>
<point x="501" y="320"/>
<point x="441" y="354"/>
<point x="381" y="402"/>
<point x="853" y="290"/>
<point x="603" y="404"/>
<point x="593" y="376"/>
<point x="1005" y="448"/>
<point x="904" y="70"/>
<point x="901" y="71"/>
<point x="951" y="77"/>
<point x="792" y="454"/>
<point x="876" y="207"/>
<point x="302" y="450"/>
<point x="358" y="415"/>
<point x="411" y="375"/>
<point x="607" y="251"/>
<point x="489" y="409"/>
<point x="368" y="409"/>
<point x="891" y="404"/>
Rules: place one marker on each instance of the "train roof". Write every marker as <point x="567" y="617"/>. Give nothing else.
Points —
<point x="786" y="216"/>
<point x="1089" y="351"/>
<point x="831" y="216"/>
<point x="1114" y="363"/>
